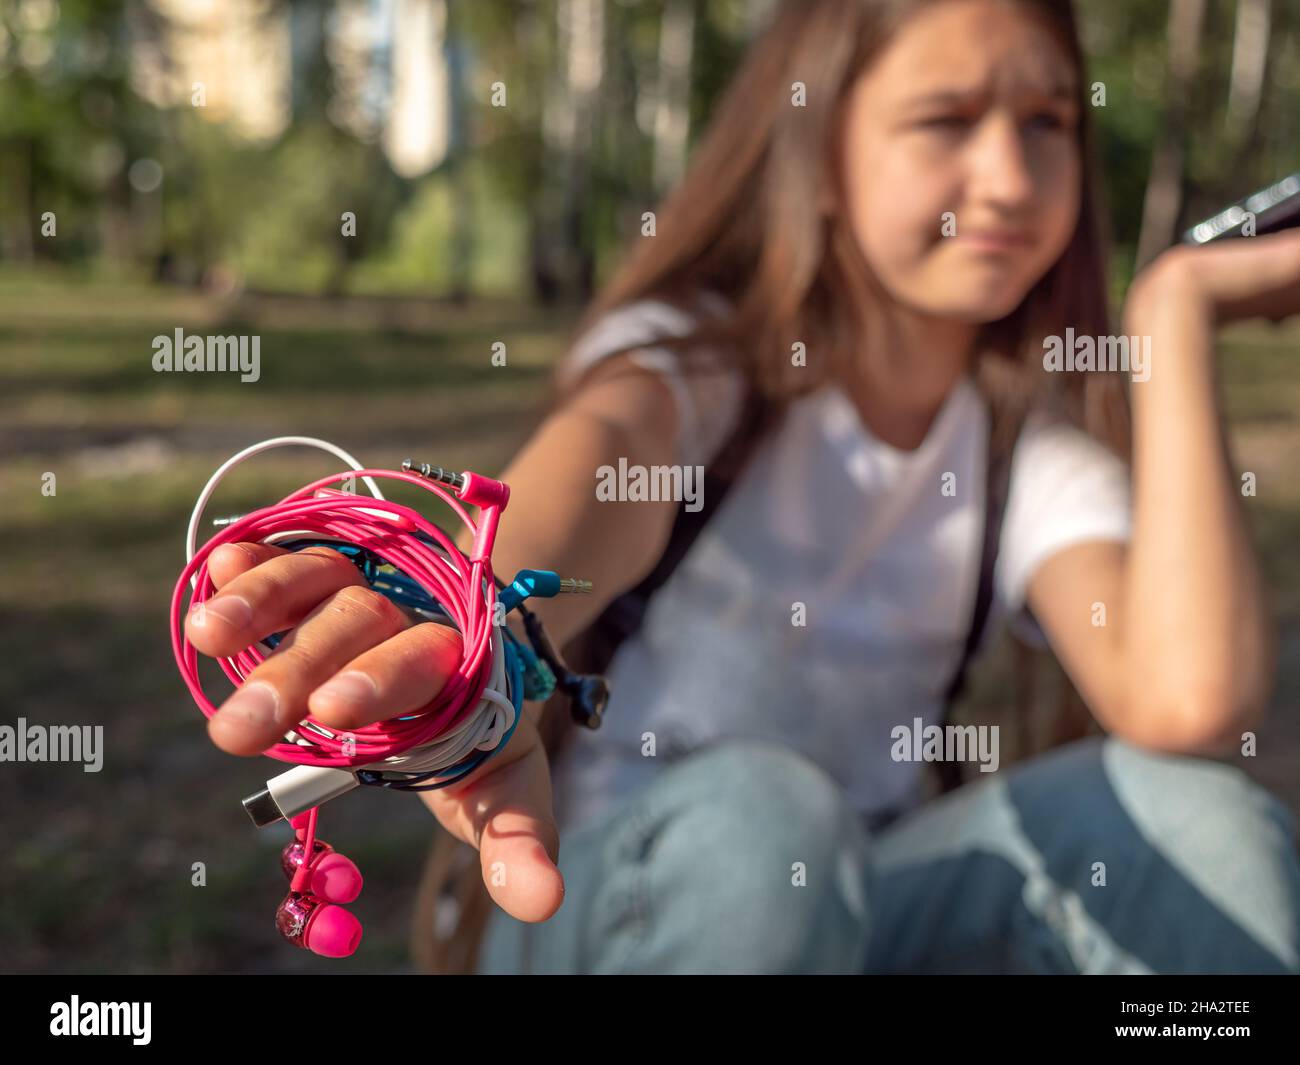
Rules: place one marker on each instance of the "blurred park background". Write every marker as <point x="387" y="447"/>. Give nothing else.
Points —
<point x="189" y="164"/>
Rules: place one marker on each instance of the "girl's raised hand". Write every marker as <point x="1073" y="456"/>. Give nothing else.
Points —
<point x="1231" y="280"/>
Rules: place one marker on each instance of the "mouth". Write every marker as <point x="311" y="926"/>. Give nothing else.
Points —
<point x="995" y="240"/>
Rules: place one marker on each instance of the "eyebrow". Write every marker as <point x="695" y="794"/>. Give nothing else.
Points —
<point x="949" y="97"/>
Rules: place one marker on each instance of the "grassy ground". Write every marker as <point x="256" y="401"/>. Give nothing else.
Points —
<point x="98" y="867"/>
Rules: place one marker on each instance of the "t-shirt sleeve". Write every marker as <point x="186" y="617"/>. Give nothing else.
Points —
<point x="707" y="404"/>
<point x="1066" y="488"/>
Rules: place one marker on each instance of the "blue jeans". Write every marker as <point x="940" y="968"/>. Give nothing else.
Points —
<point x="1097" y="857"/>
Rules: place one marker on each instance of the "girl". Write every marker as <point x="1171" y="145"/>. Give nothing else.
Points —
<point x="891" y="219"/>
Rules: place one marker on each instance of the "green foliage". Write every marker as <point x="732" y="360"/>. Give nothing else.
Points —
<point x="71" y="125"/>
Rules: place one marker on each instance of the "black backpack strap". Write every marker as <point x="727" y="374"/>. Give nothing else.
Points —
<point x="997" y="488"/>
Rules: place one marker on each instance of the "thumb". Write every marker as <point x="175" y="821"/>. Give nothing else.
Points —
<point x="517" y="852"/>
<point x="505" y="811"/>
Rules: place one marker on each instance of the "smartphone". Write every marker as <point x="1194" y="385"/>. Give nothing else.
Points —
<point x="1276" y="207"/>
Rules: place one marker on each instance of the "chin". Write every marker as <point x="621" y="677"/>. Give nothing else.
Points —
<point x="980" y="303"/>
<point x="975" y="311"/>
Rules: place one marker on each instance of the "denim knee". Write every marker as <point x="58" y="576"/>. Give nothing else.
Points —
<point x="743" y="857"/>
<point x="1216" y="848"/>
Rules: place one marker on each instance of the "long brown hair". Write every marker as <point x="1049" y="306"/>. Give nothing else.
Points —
<point x="745" y="222"/>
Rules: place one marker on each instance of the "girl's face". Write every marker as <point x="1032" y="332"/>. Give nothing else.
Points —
<point x="970" y="110"/>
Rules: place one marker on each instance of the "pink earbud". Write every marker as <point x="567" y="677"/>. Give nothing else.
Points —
<point x="329" y="874"/>
<point x="318" y="926"/>
<point x="310" y="915"/>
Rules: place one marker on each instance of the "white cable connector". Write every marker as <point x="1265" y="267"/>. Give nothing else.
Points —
<point x="297" y="791"/>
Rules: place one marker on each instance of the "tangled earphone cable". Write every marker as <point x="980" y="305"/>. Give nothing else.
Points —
<point x="413" y="562"/>
<point x="473" y="712"/>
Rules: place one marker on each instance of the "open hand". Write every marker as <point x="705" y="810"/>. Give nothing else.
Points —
<point x="353" y="658"/>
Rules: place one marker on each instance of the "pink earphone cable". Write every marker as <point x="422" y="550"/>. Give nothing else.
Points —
<point x="387" y="530"/>
<point x="302" y="877"/>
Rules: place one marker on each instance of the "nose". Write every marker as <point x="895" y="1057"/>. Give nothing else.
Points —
<point x="999" y="172"/>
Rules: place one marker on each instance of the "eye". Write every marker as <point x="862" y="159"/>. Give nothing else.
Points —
<point x="945" y="122"/>
<point x="1046" y="120"/>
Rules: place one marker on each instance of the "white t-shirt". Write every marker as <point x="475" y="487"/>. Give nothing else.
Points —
<point x="860" y="533"/>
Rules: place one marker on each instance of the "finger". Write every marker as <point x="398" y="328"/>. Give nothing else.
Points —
<point x="518" y="851"/>
<point x="505" y="811"/>
<point x="1258" y="277"/>
<point x="273" y="698"/>
<point x="273" y="596"/>
<point x="231" y="560"/>
<point x="400" y="675"/>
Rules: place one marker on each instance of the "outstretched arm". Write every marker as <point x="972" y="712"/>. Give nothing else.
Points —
<point x="341" y="629"/>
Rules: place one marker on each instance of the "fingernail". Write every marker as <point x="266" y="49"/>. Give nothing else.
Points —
<point x="351" y="687"/>
<point x="253" y="707"/>
<point x="234" y="610"/>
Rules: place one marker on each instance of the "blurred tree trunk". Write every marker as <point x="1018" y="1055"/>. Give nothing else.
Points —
<point x="1164" y="191"/>
<point x="758" y="13"/>
<point x="460" y="145"/>
<point x="19" y="155"/>
<point x="1251" y="42"/>
<point x="673" y="93"/>
<point x="563" y="256"/>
